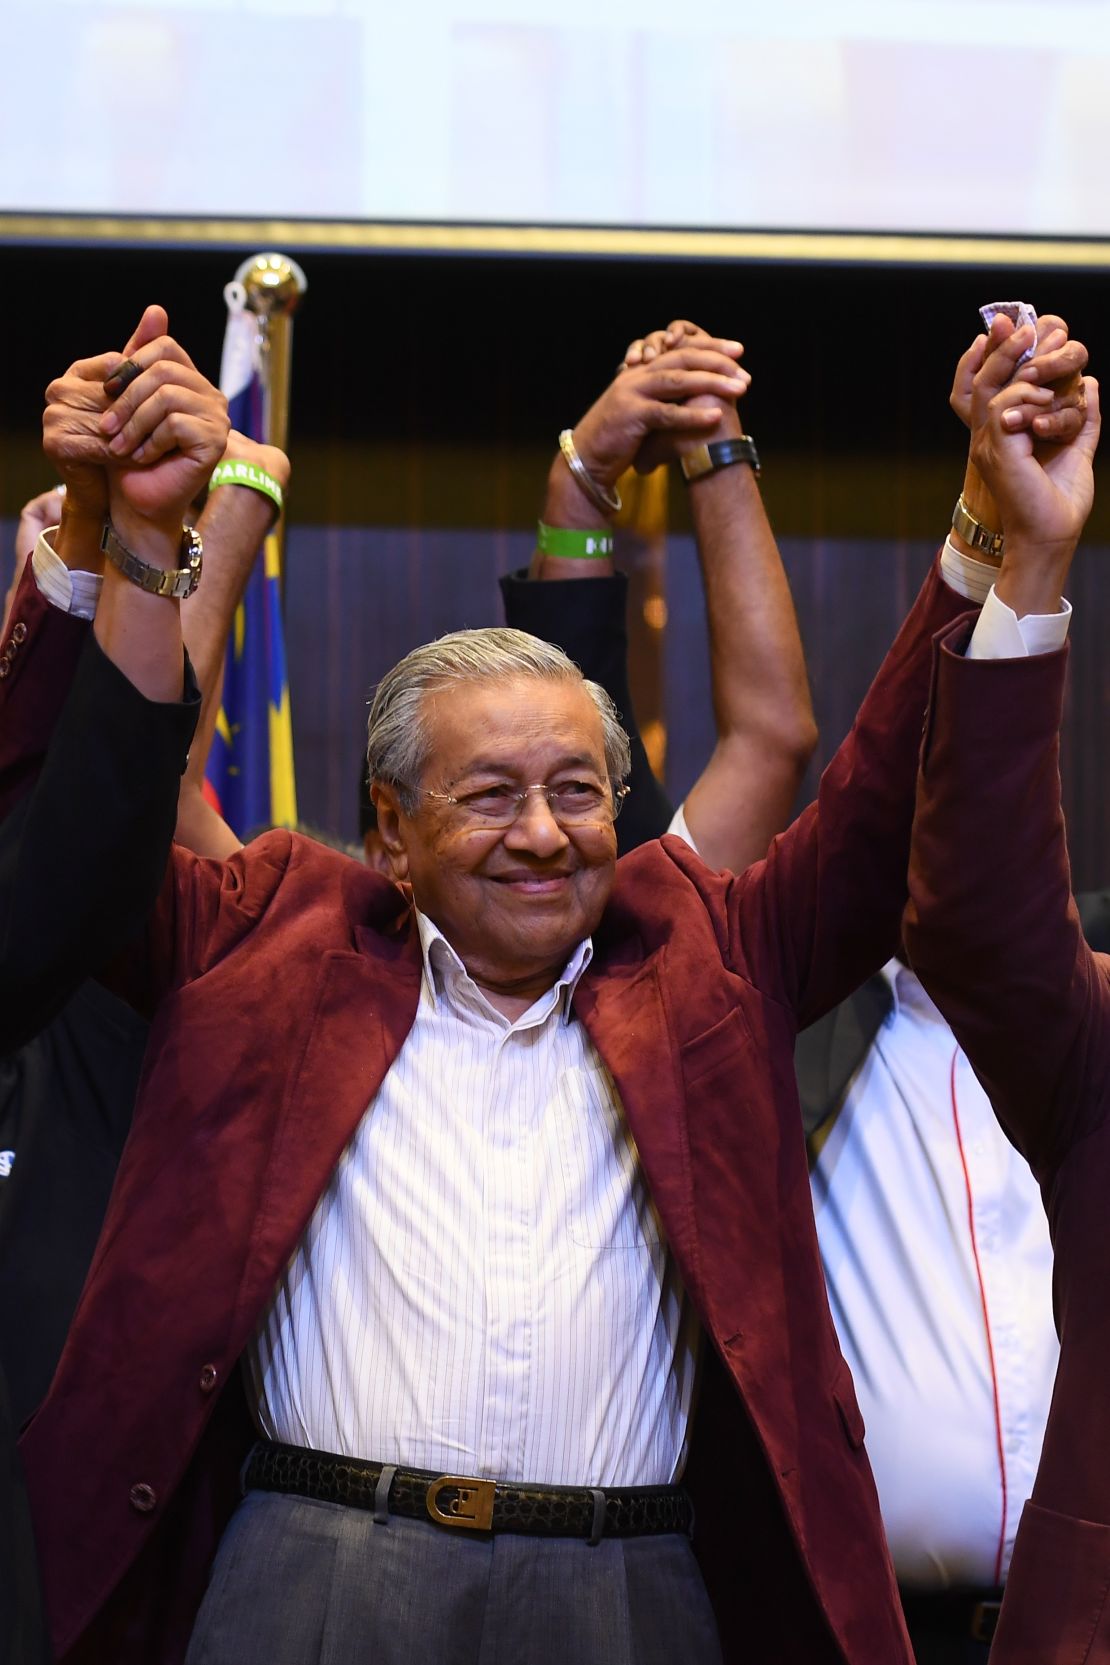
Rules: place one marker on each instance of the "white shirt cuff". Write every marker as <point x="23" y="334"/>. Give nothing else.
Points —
<point x="679" y="828"/>
<point x="967" y="576"/>
<point x="71" y="592"/>
<point x="1000" y="634"/>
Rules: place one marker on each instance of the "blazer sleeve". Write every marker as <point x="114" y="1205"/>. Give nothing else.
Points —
<point x="823" y="910"/>
<point x="587" y="618"/>
<point x="89" y="776"/>
<point x="38" y="661"/>
<point x="992" y="929"/>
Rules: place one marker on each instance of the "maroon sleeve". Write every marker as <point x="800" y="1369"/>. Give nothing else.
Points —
<point x="823" y="911"/>
<point x="38" y="661"/>
<point x="992" y="928"/>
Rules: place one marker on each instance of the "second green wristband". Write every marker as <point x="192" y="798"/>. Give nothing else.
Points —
<point x="569" y="544"/>
<point x="235" y="472"/>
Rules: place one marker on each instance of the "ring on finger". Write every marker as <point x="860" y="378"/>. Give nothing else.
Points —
<point x="122" y="377"/>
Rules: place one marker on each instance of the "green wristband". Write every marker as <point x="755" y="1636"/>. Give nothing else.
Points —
<point x="234" y="472"/>
<point x="572" y="545"/>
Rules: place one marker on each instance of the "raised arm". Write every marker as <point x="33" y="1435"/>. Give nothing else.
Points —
<point x="85" y="843"/>
<point x="233" y="526"/>
<point x="573" y="595"/>
<point x="761" y="702"/>
<point x="991" y="928"/>
<point x="761" y="699"/>
<point x="825" y="909"/>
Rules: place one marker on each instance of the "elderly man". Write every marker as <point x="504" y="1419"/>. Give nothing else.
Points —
<point x="476" y="1185"/>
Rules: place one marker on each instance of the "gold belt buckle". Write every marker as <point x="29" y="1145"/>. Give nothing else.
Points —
<point x="984" y="1620"/>
<point x="472" y="1506"/>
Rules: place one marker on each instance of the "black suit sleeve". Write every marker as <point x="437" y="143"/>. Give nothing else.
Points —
<point x="586" y="617"/>
<point x="83" y="852"/>
<point x="1094" y="916"/>
<point x="828" y="1054"/>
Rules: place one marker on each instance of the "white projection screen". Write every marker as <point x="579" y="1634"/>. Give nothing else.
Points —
<point x="962" y="117"/>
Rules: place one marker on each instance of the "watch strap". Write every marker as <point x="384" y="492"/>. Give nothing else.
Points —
<point x="974" y="533"/>
<point x="721" y="453"/>
<point x="178" y="583"/>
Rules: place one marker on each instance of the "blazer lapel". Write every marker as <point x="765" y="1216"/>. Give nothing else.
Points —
<point x="363" y="1006"/>
<point x="624" y="1014"/>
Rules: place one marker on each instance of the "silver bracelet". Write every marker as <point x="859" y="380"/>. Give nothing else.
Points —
<point x="607" y="501"/>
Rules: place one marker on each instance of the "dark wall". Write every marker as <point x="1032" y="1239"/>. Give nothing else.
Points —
<point x="427" y="393"/>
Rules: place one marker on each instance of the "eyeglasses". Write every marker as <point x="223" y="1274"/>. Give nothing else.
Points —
<point x="573" y="803"/>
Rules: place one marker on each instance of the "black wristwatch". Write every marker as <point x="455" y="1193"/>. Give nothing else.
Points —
<point x="709" y="459"/>
<point x="179" y="582"/>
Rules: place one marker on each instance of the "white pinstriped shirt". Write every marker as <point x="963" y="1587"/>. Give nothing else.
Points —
<point x="484" y="1288"/>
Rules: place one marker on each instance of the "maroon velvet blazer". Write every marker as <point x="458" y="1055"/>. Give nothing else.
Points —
<point x="283" y="984"/>
<point x="995" y="936"/>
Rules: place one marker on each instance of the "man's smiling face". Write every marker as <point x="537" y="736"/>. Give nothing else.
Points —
<point x="513" y="901"/>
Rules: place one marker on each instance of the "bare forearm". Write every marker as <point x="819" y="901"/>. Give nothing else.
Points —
<point x="1034" y="585"/>
<point x="566" y="505"/>
<point x="233" y="526"/>
<point x="764" y="714"/>
<point x="78" y="540"/>
<point x="199" y="827"/>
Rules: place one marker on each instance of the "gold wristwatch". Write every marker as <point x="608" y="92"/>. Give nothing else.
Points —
<point x="973" y="532"/>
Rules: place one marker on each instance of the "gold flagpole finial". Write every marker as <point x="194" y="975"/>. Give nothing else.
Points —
<point x="274" y="284"/>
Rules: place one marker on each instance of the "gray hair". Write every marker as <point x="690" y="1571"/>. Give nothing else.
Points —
<point x="398" y="741"/>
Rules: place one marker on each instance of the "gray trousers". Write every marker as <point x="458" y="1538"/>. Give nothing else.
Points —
<point x="297" y="1582"/>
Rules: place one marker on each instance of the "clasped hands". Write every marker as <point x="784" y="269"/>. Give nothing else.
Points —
<point x="1034" y="432"/>
<point x="137" y="447"/>
<point x="675" y="388"/>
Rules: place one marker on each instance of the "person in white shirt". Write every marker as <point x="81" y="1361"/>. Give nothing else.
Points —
<point x="939" y="1268"/>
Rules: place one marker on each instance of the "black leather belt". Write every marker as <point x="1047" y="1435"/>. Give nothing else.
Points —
<point x="972" y="1614"/>
<point x="457" y="1500"/>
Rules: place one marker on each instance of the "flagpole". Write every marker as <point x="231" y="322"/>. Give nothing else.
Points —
<point x="269" y="287"/>
<point x="273" y="285"/>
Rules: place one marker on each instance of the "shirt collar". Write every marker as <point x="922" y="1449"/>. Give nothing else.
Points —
<point x="442" y="963"/>
<point x="909" y="993"/>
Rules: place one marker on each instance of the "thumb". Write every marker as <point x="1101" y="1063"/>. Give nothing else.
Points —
<point x="153" y="323"/>
<point x="1087" y="438"/>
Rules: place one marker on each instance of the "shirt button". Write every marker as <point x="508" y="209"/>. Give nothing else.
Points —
<point x="5" y="666"/>
<point x="209" y="1376"/>
<point x="19" y="631"/>
<point x="143" y="1498"/>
